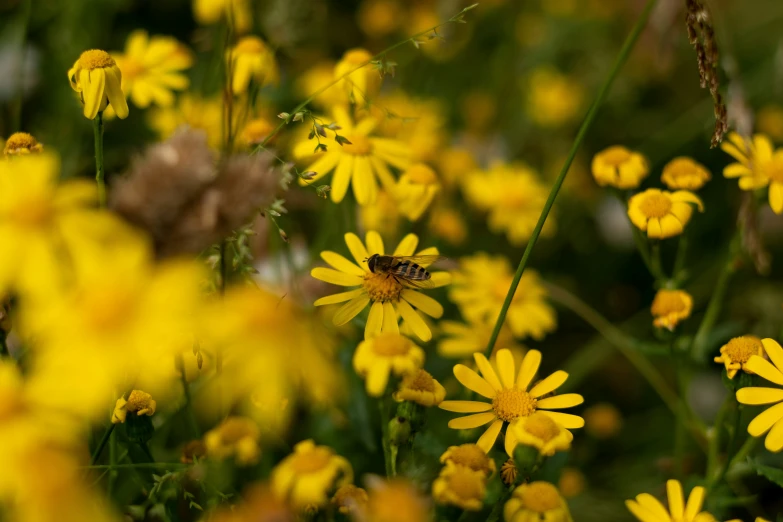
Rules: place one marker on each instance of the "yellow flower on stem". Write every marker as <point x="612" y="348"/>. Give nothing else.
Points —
<point x="511" y="395"/>
<point x="306" y="476"/>
<point x="736" y="353"/>
<point x="198" y="113"/>
<point x="662" y="214"/>
<point x="553" y="99"/>
<point x="420" y="387"/>
<point x="377" y="357"/>
<point x="469" y="456"/>
<point x="20" y="143"/>
<point x="669" y="307"/>
<point x="685" y="174"/>
<point x="252" y="59"/>
<point x="389" y="297"/>
<point x="415" y="190"/>
<point x="138" y="402"/>
<point x="619" y="167"/>
<point x="539" y="431"/>
<point x="602" y="420"/>
<point x="536" y="502"/>
<point x="361" y="84"/>
<point x="209" y="12"/>
<point x="395" y="500"/>
<point x="465" y="339"/>
<point x="759" y="164"/>
<point x="460" y="486"/>
<point x="649" y="509"/>
<point x="771" y="419"/>
<point x="98" y="80"/>
<point x="234" y="437"/>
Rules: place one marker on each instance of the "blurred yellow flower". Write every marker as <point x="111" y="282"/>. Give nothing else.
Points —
<point x="460" y="486"/>
<point x="536" y="501"/>
<point x="480" y="287"/>
<point x="383" y="216"/>
<point x="387" y="294"/>
<point x="465" y="339"/>
<point x="602" y="420"/>
<point x="420" y="387"/>
<point x="306" y="476"/>
<point x="649" y="509"/>
<point x="97" y="79"/>
<point x="152" y="68"/>
<point x="20" y="143"/>
<point x="360" y="84"/>
<point x="350" y="500"/>
<point x="514" y="198"/>
<point x="198" y="113"/>
<point x="619" y="167"/>
<point x="316" y="78"/>
<point x="255" y="132"/>
<point x="769" y="121"/>
<point x="359" y="162"/>
<point x="508" y="391"/>
<point x="539" y="431"/>
<point x="553" y="99"/>
<point x="572" y="482"/>
<point x="138" y="402"/>
<point x="478" y="109"/>
<point x="662" y="214"/>
<point x="454" y="164"/>
<point x="251" y="59"/>
<point x="209" y="12"/>
<point x="771" y="419"/>
<point x="669" y="307"/>
<point x="470" y="456"/>
<point x="377" y="357"/>
<point x="759" y="164"/>
<point x="379" y="18"/>
<point x="735" y="354"/>
<point x="448" y="224"/>
<point x="685" y="174"/>
<point x="395" y="500"/>
<point x="234" y="437"/>
<point x="415" y="190"/>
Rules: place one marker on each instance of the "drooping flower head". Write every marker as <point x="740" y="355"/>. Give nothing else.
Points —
<point x="420" y="387"/>
<point x="98" y="80"/>
<point x="662" y="214"/>
<point x="460" y="486"/>
<point x="649" y="509"/>
<point x="538" y="431"/>
<point x="469" y="456"/>
<point x="771" y="419"/>
<point x="252" y="59"/>
<point x="758" y="165"/>
<point x="685" y="174"/>
<point x="669" y="307"/>
<point x="619" y="167"/>
<point x="376" y="358"/>
<point x="20" y="143"/>
<point x="536" y="501"/>
<point x="138" y="402"/>
<point x="736" y="353"/>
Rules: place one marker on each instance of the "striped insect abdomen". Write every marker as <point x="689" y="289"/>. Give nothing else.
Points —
<point x="412" y="271"/>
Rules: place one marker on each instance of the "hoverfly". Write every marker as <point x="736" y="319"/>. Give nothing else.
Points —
<point x="406" y="270"/>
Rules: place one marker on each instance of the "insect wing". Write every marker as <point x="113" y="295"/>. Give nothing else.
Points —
<point x="417" y="284"/>
<point x="425" y="260"/>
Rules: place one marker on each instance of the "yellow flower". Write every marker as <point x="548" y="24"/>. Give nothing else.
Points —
<point x="138" y="402"/>
<point x="315" y="79"/>
<point x="602" y="420"/>
<point x="255" y="131"/>
<point x="234" y="437"/>
<point x="198" y="113"/>
<point x="388" y="352"/>
<point x="759" y="164"/>
<point x="513" y="196"/>
<point x="358" y="162"/>
<point x="389" y="297"/>
<point x="454" y="165"/>
<point x="685" y="174"/>
<point x="769" y="120"/>
<point x="508" y="472"/>
<point x="480" y="287"/>
<point x="152" y="68"/>
<point x="460" y="486"/>
<point x="208" y="12"/>
<point x="669" y="307"/>
<point x="97" y="79"/>
<point x="379" y="18"/>
<point x="465" y="339"/>
<point x="510" y="396"/>
<point x="395" y="500"/>
<point x="415" y="190"/>
<point x="552" y="98"/>
<point x="662" y="214"/>
<point x="648" y="509"/>
<point x="737" y="352"/>
<point x="306" y="476"/>
<point x="421" y="388"/>
<point x="536" y="502"/>
<point x="350" y="500"/>
<point x="20" y="143"/>
<point x="469" y="456"/>
<point x="252" y="59"/>
<point x="539" y="431"/>
<point x="383" y="216"/>
<point x="572" y="482"/>
<point x="770" y="419"/>
<point x="361" y="84"/>
<point x="619" y="167"/>
<point x="449" y="224"/>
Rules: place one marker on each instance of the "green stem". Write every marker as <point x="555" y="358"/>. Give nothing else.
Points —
<point x="393" y="450"/>
<point x="112" y="460"/>
<point x="588" y="122"/>
<point x="99" y="449"/>
<point x="714" y="439"/>
<point x="643" y="248"/>
<point x="657" y="267"/>
<point x="386" y="443"/>
<point x="188" y="401"/>
<point x="146" y="450"/>
<point x="679" y="260"/>
<point x="97" y="128"/>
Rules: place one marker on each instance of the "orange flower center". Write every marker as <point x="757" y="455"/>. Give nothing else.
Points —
<point x="470" y="456"/>
<point x="138" y="400"/>
<point x="511" y="403"/>
<point x="95" y="59"/>
<point x="740" y="349"/>
<point x="616" y="156"/>
<point x="311" y="461"/>
<point x="421" y="381"/>
<point x="359" y="146"/>
<point x="382" y="287"/>
<point x="540" y="497"/>
<point x="20" y="141"/>
<point x="655" y="205"/>
<point x="542" y="426"/>
<point x="390" y="345"/>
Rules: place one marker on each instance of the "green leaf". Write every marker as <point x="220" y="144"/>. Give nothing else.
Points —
<point x="774" y="475"/>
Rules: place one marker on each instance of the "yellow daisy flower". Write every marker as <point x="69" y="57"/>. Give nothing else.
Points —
<point x="619" y="167"/>
<point x="469" y="456"/>
<point x="207" y="12"/>
<point x="648" y="509"/>
<point x="395" y="500"/>
<point x="20" y="143"/>
<point x="759" y="164"/>
<point x="252" y="59"/>
<point x="536" y="501"/>
<point x="152" y="68"/>
<point x="511" y="396"/>
<point x="420" y="387"/>
<point x="662" y="214"/>
<point x="377" y="357"/>
<point x="539" y="431"/>
<point x="197" y="113"/>
<point x="388" y="296"/>
<point x="771" y="419"/>
<point x="669" y="307"/>
<point x="736" y="353"/>
<point x="685" y="174"/>
<point x="237" y="437"/>
<point x="98" y="80"/>
<point x="449" y="224"/>
<point x="415" y="190"/>
<point x="361" y="84"/>
<point x="358" y="162"/>
<point x="553" y="99"/>
<point x="465" y="339"/>
<point x="460" y="486"/>
<point x="138" y="402"/>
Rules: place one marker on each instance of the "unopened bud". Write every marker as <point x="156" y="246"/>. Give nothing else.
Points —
<point x="399" y="431"/>
<point x="323" y="191"/>
<point x="283" y="235"/>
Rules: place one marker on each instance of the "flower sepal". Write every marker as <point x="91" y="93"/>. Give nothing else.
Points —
<point x="414" y="415"/>
<point x="740" y="380"/>
<point x="139" y="428"/>
<point x="527" y="459"/>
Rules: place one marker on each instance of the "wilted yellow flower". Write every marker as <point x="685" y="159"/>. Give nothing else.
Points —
<point x="234" y="437"/>
<point x="208" y="12"/>
<point x="737" y="352"/>
<point x="552" y="98"/>
<point x="359" y="84"/>
<point x="649" y="509"/>
<point x="415" y="190"/>
<point x="420" y="387"/>
<point x="669" y="307"/>
<point x="197" y="113"/>
<point x="662" y="214"/>
<point x="377" y="357"/>
<point x="514" y="198"/>
<point x="572" y="482"/>
<point x="138" y="402"/>
<point x="252" y="59"/>
<point x="350" y="500"/>
<point x="449" y="224"/>
<point x="480" y="287"/>
<point x="539" y="431"/>
<point x="685" y="174"/>
<point x="306" y="476"/>
<point x="602" y="420"/>
<point x="460" y="486"/>
<point x="395" y="500"/>
<point x="152" y="68"/>
<point x="20" y="143"/>
<point x="536" y="501"/>
<point x="388" y="295"/>
<point x="508" y="391"/>
<point x="619" y="167"/>
<point x="98" y="80"/>
<point x="469" y="456"/>
<point x="770" y="419"/>
<point x="379" y="18"/>
<point x="759" y="164"/>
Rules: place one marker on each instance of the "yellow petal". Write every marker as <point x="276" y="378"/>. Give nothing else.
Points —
<point x="357" y="249"/>
<point x="695" y="502"/>
<point x="339" y="298"/>
<point x="114" y="92"/>
<point x="471" y="380"/>
<point x="390" y="318"/>
<point x="374" y="320"/>
<point x="641" y="512"/>
<point x="566" y="420"/>
<point x="506" y="367"/>
<point x="342" y="177"/>
<point x="549" y="384"/>
<point x="653" y="505"/>
<point x="774" y="440"/>
<point x="414" y="320"/>
<point x="774" y="351"/>
<point x="776" y="197"/>
<point x="530" y="365"/>
<point x="488" y="438"/>
<point x="336" y="277"/>
<point x="471" y="421"/>
<point x="364" y="188"/>
<point x="688" y="197"/>
<point x="93" y="85"/>
<point x="465" y="406"/>
<point x="676" y="499"/>
<point x="407" y="246"/>
<point x="654" y="229"/>
<point x="765" y="369"/>
<point x="487" y="371"/>
<point x="558" y="402"/>
<point x="759" y="395"/>
<point x="322" y="166"/>
<point x="736" y="170"/>
<point x="378" y="377"/>
<point x="374" y="243"/>
<point x="423" y="302"/>
<point x="765" y="420"/>
<point x="350" y="310"/>
<point x="338" y="262"/>
<point x="439" y="279"/>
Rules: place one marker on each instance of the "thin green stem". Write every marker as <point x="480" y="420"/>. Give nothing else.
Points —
<point x="657" y="266"/>
<point x="385" y="442"/>
<point x="680" y="258"/>
<point x="641" y="22"/>
<point x="146" y="450"/>
<point x="97" y="128"/>
<point x="188" y="400"/>
<point x="112" y="460"/>
<point x="99" y="449"/>
<point x="714" y="438"/>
